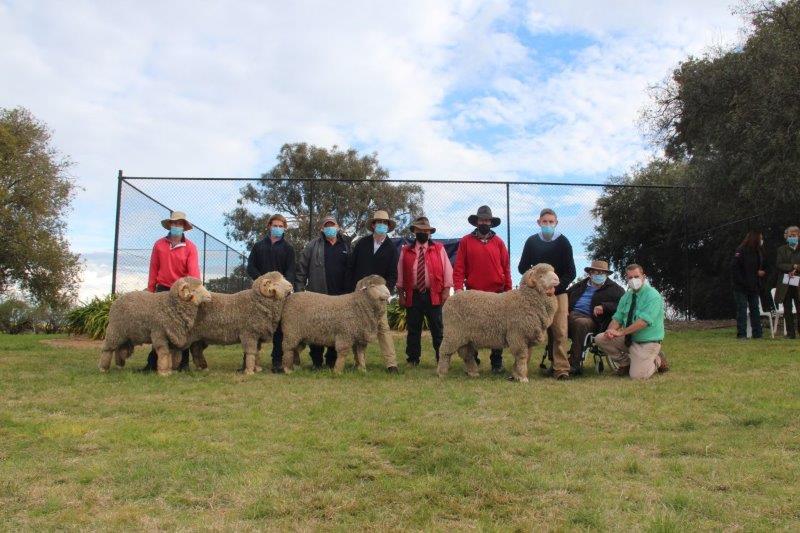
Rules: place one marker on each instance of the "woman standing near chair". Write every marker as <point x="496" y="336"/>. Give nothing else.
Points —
<point x="747" y="270"/>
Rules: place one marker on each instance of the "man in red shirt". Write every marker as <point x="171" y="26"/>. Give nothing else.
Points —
<point x="483" y="264"/>
<point x="173" y="257"/>
<point x="424" y="280"/>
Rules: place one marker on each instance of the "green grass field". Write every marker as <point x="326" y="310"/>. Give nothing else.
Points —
<point x="714" y="444"/>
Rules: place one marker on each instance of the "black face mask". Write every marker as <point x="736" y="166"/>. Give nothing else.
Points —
<point x="422" y="237"/>
<point x="483" y="229"/>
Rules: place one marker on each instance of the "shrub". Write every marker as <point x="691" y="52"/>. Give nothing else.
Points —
<point x="397" y="316"/>
<point x="90" y="319"/>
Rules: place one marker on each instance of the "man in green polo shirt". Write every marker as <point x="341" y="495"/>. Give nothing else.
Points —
<point x="633" y="339"/>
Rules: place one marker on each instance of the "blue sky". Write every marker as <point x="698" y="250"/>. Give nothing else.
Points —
<point x="439" y="89"/>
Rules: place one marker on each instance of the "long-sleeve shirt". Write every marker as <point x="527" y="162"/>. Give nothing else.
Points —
<point x="268" y="256"/>
<point x="556" y="252"/>
<point x="170" y="262"/>
<point x="447" y="270"/>
<point x="482" y="265"/>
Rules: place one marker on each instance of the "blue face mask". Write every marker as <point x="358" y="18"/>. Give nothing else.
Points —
<point x="329" y="232"/>
<point x="276" y="232"/>
<point x="599" y="279"/>
<point x="381" y="228"/>
<point x="176" y="231"/>
<point x="548" y="231"/>
<point x="792" y="241"/>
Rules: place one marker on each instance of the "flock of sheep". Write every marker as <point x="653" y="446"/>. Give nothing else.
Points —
<point x="190" y="317"/>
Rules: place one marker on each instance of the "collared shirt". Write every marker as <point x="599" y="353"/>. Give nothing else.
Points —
<point x="377" y="243"/>
<point x="170" y="262"/>
<point x="336" y="267"/>
<point x="584" y="303"/>
<point x="649" y="307"/>
<point x="447" y="269"/>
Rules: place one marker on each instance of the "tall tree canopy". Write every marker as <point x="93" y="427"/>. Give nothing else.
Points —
<point x="35" y="193"/>
<point x="308" y="183"/>
<point x="729" y="124"/>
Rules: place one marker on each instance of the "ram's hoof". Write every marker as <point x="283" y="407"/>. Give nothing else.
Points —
<point x="258" y="369"/>
<point x="164" y="373"/>
<point x="474" y="374"/>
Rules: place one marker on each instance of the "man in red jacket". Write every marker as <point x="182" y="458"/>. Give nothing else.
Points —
<point x="482" y="264"/>
<point x="173" y="257"/>
<point x="424" y="280"/>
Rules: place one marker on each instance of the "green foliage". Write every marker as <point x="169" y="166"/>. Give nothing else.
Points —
<point x="730" y="127"/>
<point x="19" y="316"/>
<point x="91" y="319"/>
<point x="35" y="192"/>
<point x="238" y="280"/>
<point x="397" y="316"/>
<point x="304" y="203"/>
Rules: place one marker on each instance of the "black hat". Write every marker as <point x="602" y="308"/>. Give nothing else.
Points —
<point x="483" y="212"/>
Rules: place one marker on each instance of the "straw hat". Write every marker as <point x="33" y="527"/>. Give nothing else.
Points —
<point x="382" y="215"/>
<point x="177" y="216"/>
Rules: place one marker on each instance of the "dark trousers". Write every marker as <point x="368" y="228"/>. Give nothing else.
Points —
<point x="420" y="309"/>
<point x="745" y="302"/>
<point x="578" y="326"/>
<point x="277" y="350"/>
<point x="152" y="357"/>
<point x="792" y="295"/>
<point x="316" y="355"/>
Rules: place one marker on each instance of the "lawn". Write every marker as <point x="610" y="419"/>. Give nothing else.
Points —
<point x="713" y="444"/>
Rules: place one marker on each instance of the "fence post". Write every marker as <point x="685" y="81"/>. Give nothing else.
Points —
<point x="310" y="209"/>
<point x="204" y="256"/>
<point x="116" y="235"/>
<point x="508" y="218"/>
<point x="688" y="281"/>
<point x="227" y="279"/>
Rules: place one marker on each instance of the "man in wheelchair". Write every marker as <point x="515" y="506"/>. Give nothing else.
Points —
<point x="592" y="303"/>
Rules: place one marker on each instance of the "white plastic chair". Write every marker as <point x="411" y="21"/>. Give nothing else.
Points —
<point x="773" y="316"/>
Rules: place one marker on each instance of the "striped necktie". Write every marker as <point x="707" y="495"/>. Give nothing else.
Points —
<point x="420" y="286"/>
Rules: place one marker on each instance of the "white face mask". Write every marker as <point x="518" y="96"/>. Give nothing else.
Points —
<point x="635" y="283"/>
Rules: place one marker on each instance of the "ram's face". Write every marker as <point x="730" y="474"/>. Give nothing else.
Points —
<point x="375" y="287"/>
<point x="191" y="290"/>
<point x="543" y="278"/>
<point x="272" y="285"/>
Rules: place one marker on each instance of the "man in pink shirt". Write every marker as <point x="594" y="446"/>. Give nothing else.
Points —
<point x="424" y="280"/>
<point x="173" y="257"/>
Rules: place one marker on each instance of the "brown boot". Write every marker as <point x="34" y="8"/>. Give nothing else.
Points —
<point x="623" y="371"/>
<point x="664" y="366"/>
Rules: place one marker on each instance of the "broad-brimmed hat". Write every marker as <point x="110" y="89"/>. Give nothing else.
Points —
<point x="598" y="265"/>
<point x="422" y="223"/>
<point x="483" y="212"/>
<point x="382" y="215"/>
<point x="177" y="216"/>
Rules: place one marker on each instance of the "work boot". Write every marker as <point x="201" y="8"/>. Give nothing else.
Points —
<point x="663" y="366"/>
<point x="623" y="371"/>
<point x="392" y="370"/>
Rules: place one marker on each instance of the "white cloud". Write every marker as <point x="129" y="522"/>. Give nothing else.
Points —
<point x="182" y="88"/>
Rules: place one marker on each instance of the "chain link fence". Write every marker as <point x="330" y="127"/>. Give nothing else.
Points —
<point x="144" y="201"/>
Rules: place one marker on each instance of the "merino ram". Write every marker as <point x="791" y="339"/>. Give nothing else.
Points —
<point x="349" y="321"/>
<point x="249" y="317"/>
<point x="517" y="319"/>
<point x="160" y="318"/>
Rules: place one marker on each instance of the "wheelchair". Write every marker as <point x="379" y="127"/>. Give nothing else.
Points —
<point x="600" y="360"/>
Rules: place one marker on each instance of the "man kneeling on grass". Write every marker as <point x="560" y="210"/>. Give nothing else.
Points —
<point x="633" y="339"/>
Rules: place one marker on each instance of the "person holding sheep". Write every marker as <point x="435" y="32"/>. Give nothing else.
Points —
<point x="322" y="268"/>
<point x="424" y="280"/>
<point x="633" y="339"/>
<point x="273" y="254"/>
<point x="172" y="258"/>
<point x="551" y="247"/>
<point x="376" y="254"/>
<point x="483" y="264"/>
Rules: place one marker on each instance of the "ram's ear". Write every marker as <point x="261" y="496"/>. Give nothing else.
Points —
<point x="184" y="291"/>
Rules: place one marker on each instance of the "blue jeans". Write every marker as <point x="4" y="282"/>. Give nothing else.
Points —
<point x="743" y="302"/>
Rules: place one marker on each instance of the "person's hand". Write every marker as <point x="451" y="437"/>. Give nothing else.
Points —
<point x="458" y="290"/>
<point x="401" y="297"/>
<point x="613" y="333"/>
<point x="761" y="273"/>
<point x="598" y="310"/>
<point x="445" y="294"/>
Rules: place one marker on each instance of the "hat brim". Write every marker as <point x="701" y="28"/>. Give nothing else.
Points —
<point x="392" y="224"/>
<point x="414" y="226"/>
<point x="587" y="269"/>
<point x="473" y="220"/>
<point x="167" y="221"/>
